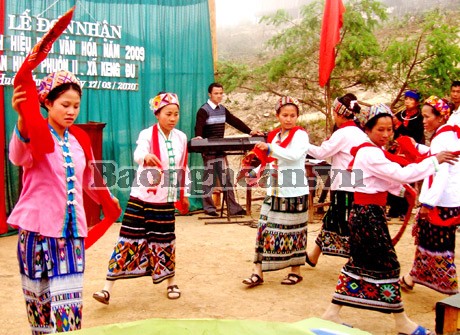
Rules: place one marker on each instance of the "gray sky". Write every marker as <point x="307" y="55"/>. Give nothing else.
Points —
<point x="233" y="12"/>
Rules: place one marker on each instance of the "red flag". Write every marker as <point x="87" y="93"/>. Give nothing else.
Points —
<point x="330" y="36"/>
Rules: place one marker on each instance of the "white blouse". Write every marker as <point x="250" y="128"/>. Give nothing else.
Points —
<point x="338" y="147"/>
<point x="375" y="173"/>
<point x="290" y="163"/>
<point x="446" y="181"/>
<point x="167" y="190"/>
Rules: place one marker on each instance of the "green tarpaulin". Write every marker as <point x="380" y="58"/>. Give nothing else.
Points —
<point x="310" y="326"/>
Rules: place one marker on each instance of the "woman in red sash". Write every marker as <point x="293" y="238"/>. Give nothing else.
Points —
<point x="370" y="278"/>
<point x="434" y="264"/>
<point x="146" y="245"/>
<point x="334" y="237"/>
<point x="282" y="228"/>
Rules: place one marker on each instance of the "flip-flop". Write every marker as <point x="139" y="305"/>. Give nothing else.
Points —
<point x="418" y="331"/>
<point x="405" y="285"/>
<point x="173" y="292"/>
<point x="251" y="282"/>
<point x="102" y="296"/>
<point x="292" y="279"/>
<point x="308" y="261"/>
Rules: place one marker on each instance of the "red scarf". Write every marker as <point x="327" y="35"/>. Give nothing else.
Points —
<point x="392" y="157"/>
<point x="410" y="193"/>
<point x="350" y="123"/>
<point x="182" y="172"/>
<point x="41" y="140"/>
<point x="262" y="155"/>
<point x="455" y="129"/>
<point x="109" y="208"/>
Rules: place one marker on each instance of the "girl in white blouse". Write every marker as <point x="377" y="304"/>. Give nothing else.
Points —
<point x="282" y="228"/>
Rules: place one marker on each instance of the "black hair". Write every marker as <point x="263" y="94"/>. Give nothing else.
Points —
<point x="346" y="100"/>
<point x="214" y="85"/>
<point x="59" y="90"/>
<point x="372" y="122"/>
<point x="455" y="83"/>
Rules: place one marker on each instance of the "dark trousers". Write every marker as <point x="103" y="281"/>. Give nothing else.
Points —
<point x="216" y="169"/>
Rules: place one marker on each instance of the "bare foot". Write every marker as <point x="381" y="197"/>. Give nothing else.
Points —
<point x="331" y="317"/>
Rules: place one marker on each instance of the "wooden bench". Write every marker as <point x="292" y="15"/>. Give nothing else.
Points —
<point x="447" y="315"/>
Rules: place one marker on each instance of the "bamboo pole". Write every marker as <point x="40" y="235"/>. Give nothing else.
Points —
<point x="212" y="22"/>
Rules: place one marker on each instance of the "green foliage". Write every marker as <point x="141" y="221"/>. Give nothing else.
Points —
<point x="426" y="57"/>
<point x="416" y="52"/>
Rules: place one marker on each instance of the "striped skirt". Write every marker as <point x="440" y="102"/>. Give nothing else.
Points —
<point x="281" y="239"/>
<point x="434" y="261"/>
<point x="146" y="245"/>
<point x="334" y="238"/>
<point x="370" y="278"/>
<point x="52" y="281"/>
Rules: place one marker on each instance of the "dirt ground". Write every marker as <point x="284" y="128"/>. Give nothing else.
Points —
<point x="212" y="259"/>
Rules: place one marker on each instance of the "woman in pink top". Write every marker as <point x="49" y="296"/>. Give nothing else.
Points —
<point x="49" y="213"/>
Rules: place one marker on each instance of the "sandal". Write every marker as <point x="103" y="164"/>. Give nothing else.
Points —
<point x="418" y="331"/>
<point x="292" y="279"/>
<point x="405" y="285"/>
<point x="253" y="280"/>
<point x="173" y="292"/>
<point x="308" y="261"/>
<point x="102" y="296"/>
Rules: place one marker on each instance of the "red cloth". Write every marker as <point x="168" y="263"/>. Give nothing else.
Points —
<point x="109" y="208"/>
<point x="408" y="149"/>
<point x="41" y="141"/>
<point x="183" y="169"/>
<point x="262" y="155"/>
<point x="330" y="37"/>
<point x="364" y="199"/>
<point x="394" y="158"/>
<point x="434" y="218"/>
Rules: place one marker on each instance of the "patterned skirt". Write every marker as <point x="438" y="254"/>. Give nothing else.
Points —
<point x="52" y="281"/>
<point x="434" y="262"/>
<point x="281" y="239"/>
<point x="334" y="238"/>
<point x="370" y="278"/>
<point x="146" y="245"/>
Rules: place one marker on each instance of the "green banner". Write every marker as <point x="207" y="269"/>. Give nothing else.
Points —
<point x="124" y="53"/>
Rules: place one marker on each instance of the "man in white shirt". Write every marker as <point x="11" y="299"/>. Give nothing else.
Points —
<point x="454" y="118"/>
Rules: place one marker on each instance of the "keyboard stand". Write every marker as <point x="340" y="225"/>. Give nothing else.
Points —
<point x="227" y="216"/>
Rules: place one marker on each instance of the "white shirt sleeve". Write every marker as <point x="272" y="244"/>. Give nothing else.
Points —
<point x="143" y="145"/>
<point x="329" y="147"/>
<point x="431" y="194"/>
<point x="379" y="166"/>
